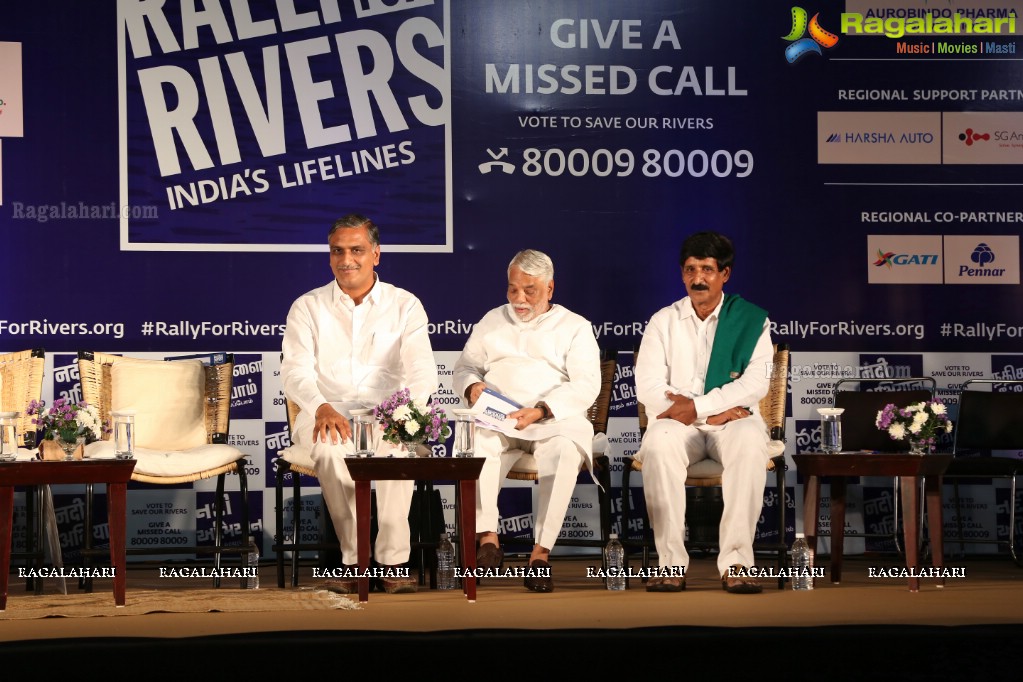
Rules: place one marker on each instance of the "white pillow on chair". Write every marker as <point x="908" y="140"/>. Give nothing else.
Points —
<point x="167" y="398"/>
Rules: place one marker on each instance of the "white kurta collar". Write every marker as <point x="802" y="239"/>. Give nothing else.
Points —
<point x="535" y="321"/>
<point x="339" y="297"/>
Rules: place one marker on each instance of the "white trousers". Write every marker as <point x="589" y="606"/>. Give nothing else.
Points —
<point x="669" y="448"/>
<point x="558" y="461"/>
<point x="393" y="500"/>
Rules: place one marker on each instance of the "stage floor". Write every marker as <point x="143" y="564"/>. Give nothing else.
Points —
<point x="991" y="593"/>
<point x="864" y="628"/>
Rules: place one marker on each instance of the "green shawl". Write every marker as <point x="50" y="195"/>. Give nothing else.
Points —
<point x="740" y="324"/>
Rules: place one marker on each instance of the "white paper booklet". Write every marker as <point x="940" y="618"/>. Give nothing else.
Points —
<point x="492" y="411"/>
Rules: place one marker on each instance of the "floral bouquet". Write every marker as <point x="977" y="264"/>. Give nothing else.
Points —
<point x="66" y="420"/>
<point x="920" y="423"/>
<point x="407" y="421"/>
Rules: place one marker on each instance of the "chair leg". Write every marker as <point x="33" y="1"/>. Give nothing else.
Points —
<point x="603" y="465"/>
<point x="296" y="507"/>
<point x="85" y="583"/>
<point x="895" y="514"/>
<point x="626" y="512"/>
<point x="218" y="528"/>
<point x="1012" y="520"/>
<point x="31" y="535"/>
<point x="425" y="492"/>
<point x="779" y="478"/>
<point x="247" y="541"/>
<point x="279" y="519"/>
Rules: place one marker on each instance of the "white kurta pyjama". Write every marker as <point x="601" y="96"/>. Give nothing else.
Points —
<point x="356" y="356"/>
<point x="553" y="358"/>
<point x="673" y="357"/>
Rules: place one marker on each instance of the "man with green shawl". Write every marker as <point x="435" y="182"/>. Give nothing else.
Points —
<point x="702" y="368"/>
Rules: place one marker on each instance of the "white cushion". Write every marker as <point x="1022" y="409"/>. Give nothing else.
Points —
<point x="167" y="399"/>
<point x="526" y="463"/>
<point x="172" y="463"/>
<point x="297" y="454"/>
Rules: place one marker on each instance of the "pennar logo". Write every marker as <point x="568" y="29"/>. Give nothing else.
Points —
<point x="884" y="259"/>
<point x="969" y="137"/>
<point x="982" y="255"/>
<point x="801" y="46"/>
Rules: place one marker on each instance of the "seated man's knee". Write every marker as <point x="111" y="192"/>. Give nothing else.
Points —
<point x="560" y="449"/>
<point x="321" y="452"/>
<point x="660" y="433"/>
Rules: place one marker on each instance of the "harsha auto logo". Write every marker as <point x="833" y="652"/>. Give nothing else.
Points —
<point x="801" y="46"/>
<point x="968" y="137"/>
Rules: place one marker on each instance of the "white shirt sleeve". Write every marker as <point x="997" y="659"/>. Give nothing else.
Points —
<point x="652" y="372"/>
<point x="299" y="368"/>
<point x="576" y="395"/>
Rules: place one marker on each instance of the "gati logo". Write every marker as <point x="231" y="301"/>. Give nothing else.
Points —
<point x="890" y="258"/>
<point x="801" y="45"/>
<point x="968" y="137"/>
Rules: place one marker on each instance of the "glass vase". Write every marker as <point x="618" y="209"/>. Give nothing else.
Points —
<point x="69" y="445"/>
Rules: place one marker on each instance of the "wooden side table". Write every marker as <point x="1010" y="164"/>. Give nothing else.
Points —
<point x="909" y="468"/>
<point x="465" y="470"/>
<point x="115" y="473"/>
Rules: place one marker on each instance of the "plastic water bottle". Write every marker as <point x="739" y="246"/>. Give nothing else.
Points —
<point x="802" y="564"/>
<point x="252" y="563"/>
<point x="446" y="565"/>
<point x="614" y="560"/>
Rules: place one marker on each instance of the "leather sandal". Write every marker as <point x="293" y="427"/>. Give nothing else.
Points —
<point x="666" y="584"/>
<point x="397" y="584"/>
<point x="736" y="581"/>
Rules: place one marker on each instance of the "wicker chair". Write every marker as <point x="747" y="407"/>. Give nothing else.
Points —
<point x="298" y="464"/>
<point x="525" y="468"/>
<point x="21" y="382"/>
<point x="772" y="409"/>
<point x="154" y="465"/>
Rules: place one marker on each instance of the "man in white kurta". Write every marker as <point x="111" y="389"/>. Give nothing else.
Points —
<point x="546" y="359"/>
<point x="691" y="421"/>
<point x="348" y="345"/>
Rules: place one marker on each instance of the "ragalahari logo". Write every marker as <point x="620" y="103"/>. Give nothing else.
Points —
<point x="969" y="137"/>
<point x="801" y="46"/>
<point x="884" y="259"/>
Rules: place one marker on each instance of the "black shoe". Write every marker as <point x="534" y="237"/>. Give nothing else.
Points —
<point x="489" y="556"/>
<point x="541" y="581"/>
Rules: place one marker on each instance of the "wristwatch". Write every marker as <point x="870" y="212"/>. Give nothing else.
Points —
<point x="542" y="406"/>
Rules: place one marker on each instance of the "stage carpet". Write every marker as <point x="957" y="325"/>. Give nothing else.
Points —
<point x="970" y="629"/>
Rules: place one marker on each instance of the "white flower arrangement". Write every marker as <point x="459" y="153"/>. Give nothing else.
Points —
<point x="920" y="423"/>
